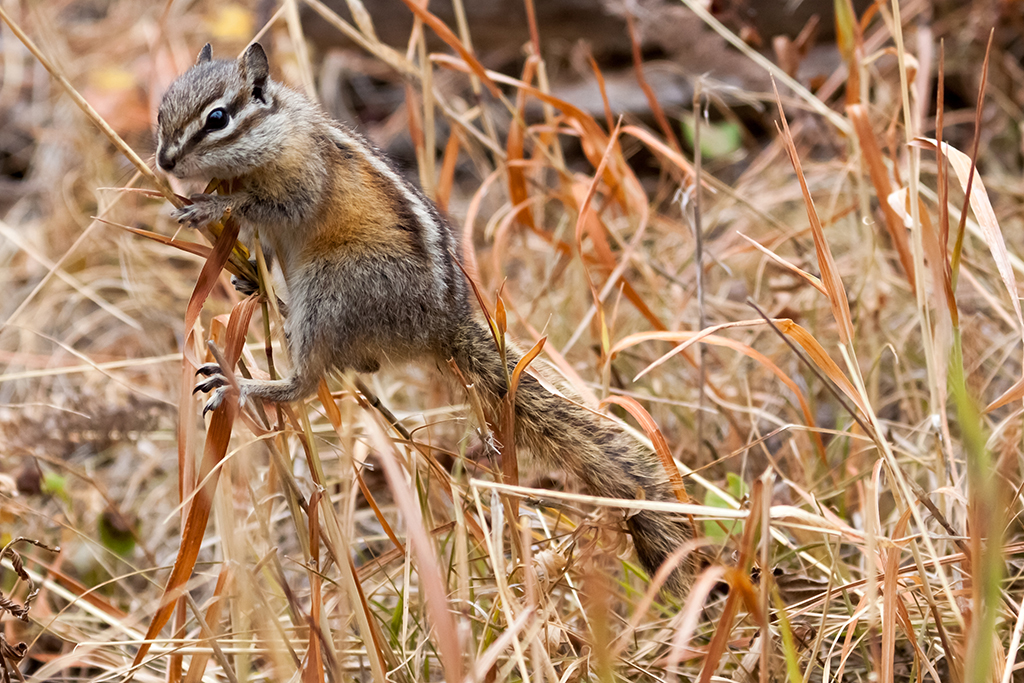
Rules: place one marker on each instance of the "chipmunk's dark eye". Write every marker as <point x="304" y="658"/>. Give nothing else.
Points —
<point x="216" y="119"/>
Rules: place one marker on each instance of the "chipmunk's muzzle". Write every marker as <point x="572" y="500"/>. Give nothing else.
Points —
<point x="166" y="162"/>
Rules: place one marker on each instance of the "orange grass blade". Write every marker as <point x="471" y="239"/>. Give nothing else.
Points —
<point x="879" y="175"/>
<point x="685" y="339"/>
<point x="217" y="439"/>
<point x="829" y="273"/>
<point x="821" y="358"/>
<point x="650" y="427"/>
<point x="581" y="222"/>
<point x="593" y="139"/>
<point x="811" y="280"/>
<point x="192" y="348"/>
<point x="514" y="148"/>
<point x="608" y="118"/>
<point x="524" y="363"/>
<point x="452" y="40"/>
<point x="736" y="576"/>
<point x="707" y="336"/>
<point x="593" y="226"/>
<point x="1014" y="393"/>
<point x="660" y="148"/>
<point x="448" y="164"/>
<point x="652" y="98"/>
<point x="193" y="248"/>
<point x="509" y="456"/>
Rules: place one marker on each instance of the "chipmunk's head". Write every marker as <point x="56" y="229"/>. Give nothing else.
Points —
<point x="219" y="119"/>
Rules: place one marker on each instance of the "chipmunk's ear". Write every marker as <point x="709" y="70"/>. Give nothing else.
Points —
<point x="205" y="55"/>
<point x="255" y="69"/>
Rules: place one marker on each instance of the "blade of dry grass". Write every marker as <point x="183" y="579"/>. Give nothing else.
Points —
<point x="514" y="149"/>
<point x="217" y="441"/>
<point x="581" y="223"/>
<point x="365" y="39"/>
<point x="803" y="274"/>
<point x="803" y="93"/>
<point x="197" y="666"/>
<point x="829" y="272"/>
<point x="708" y="336"/>
<point x="449" y="162"/>
<point x="970" y="179"/>
<point x="691" y="613"/>
<point x="517" y="374"/>
<point x="445" y="634"/>
<point x="652" y="98"/>
<point x="55" y="268"/>
<point x="650" y="427"/>
<point x="879" y="175"/>
<point x="983" y="82"/>
<point x="88" y="110"/>
<point x="313" y="671"/>
<point x="738" y="578"/>
<point x="452" y="40"/>
<point x="609" y="120"/>
<point x="334" y="417"/>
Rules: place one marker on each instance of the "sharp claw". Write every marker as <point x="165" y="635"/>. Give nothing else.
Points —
<point x="215" y="400"/>
<point x="208" y="369"/>
<point x="210" y="384"/>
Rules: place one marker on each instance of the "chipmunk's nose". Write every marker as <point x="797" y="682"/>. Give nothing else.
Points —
<point x="165" y="162"/>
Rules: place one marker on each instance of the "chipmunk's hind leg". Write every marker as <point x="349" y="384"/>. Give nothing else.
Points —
<point x="293" y="388"/>
<point x="310" y="364"/>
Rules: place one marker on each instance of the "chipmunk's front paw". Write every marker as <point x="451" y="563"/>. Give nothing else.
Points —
<point x="244" y="285"/>
<point x="216" y="384"/>
<point x="204" y="209"/>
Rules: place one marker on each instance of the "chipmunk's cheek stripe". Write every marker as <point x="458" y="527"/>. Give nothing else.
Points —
<point x="193" y="141"/>
<point x="245" y="126"/>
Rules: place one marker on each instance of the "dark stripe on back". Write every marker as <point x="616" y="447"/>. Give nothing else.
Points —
<point x="405" y="218"/>
<point x="346" y="151"/>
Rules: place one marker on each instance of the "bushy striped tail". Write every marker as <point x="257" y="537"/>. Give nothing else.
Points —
<point x="609" y="461"/>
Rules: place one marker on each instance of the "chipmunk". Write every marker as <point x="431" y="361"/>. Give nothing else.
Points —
<point x="371" y="273"/>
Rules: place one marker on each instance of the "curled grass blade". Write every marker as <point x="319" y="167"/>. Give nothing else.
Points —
<point x="650" y="427"/>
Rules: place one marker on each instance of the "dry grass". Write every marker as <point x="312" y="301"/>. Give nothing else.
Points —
<point x="847" y="417"/>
